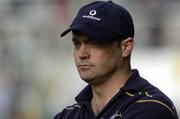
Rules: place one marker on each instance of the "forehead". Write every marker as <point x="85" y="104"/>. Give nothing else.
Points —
<point x="79" y="36"/>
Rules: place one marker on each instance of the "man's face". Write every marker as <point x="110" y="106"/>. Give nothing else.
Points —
<point x="96" y="62"/>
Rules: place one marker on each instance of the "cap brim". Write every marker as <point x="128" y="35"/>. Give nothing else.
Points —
<point x="92" y="32"/>
<point x="65" y="32"/>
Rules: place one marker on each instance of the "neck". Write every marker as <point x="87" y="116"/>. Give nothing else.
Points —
<point x="104" y="92"/>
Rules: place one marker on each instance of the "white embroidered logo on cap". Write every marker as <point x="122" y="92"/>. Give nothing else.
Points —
<point x="92" y="12"/>
<point x="91" y="15"/>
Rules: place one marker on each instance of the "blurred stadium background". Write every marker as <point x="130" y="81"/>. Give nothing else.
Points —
<point x="37" y="73"/>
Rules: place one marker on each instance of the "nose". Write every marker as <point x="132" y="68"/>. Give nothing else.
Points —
<point x="84" y="51"/>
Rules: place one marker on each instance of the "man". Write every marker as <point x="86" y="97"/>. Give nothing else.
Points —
<point x="103" y="42"/>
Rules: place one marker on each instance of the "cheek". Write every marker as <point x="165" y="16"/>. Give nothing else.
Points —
<point x="75" y="58"/>
<point x="103" y="59"/>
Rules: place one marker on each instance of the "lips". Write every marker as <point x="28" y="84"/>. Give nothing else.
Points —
<point x="85" y="66"/>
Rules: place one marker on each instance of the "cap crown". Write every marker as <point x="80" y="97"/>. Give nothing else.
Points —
<point x="108" y="16"/>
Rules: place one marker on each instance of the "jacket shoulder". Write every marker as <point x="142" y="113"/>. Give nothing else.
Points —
<point x="152" y="104"/>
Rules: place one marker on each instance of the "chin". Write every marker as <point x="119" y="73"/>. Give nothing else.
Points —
<point x="93" y="81"/>
<point x="87" y="79"/>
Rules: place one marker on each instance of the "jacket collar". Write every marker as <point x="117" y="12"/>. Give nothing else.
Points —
<point x="135" y="83"/>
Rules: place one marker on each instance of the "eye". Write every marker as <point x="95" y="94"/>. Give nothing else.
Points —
<point x="76" y="44"/>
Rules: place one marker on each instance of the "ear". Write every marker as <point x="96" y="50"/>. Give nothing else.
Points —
<point x="127" y="46"/>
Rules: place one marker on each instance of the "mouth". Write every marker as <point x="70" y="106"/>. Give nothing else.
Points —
<point x="85" y="66"/>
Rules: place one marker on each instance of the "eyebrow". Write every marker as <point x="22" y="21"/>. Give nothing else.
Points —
<point x="74" y="39"/>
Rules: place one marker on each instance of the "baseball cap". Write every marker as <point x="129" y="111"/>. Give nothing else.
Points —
<point x="103" y="20"/>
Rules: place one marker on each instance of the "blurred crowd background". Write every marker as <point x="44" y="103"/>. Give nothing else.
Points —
<point x="37" y="73"/>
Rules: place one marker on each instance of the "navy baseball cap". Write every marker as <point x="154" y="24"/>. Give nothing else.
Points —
<point x="103" y="20"/>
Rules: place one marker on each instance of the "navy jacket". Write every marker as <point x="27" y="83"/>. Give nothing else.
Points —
<point x="137" y="99"/>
